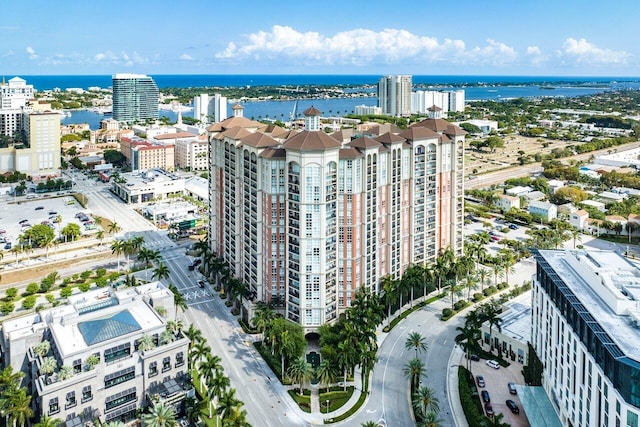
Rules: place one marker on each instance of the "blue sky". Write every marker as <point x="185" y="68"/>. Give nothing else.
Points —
<point x="422" y="37"/>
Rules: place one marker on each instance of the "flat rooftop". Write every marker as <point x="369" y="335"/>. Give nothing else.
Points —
<point x="516" y="321"/>
<point x="608" y="286"/>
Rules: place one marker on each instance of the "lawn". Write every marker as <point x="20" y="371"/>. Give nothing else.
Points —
<point x="336" y="398"/>
<point x="304" y="402"/>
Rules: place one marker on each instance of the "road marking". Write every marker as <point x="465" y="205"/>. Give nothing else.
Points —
<point x="202" y="302"/>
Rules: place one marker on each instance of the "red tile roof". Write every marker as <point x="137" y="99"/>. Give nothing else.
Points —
<point x="311" y="141"/>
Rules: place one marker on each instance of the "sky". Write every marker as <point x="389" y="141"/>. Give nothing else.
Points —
<point x="420" y="37"/>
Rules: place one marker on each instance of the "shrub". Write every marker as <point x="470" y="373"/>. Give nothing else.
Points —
<point x="447" y="312"/>
<point x="32" y="288"/>
<point x="459" y="305"/>
<point x="65" y="281"/>
<point x="477" y="296"/>
<point x="66" y="292"/>
<point x="101" y="272"/>
<point x="29" y="302"/>
<point x="11" y="293"/>
<point x="7" y="307"/>
<point x="50" y="298"/>
<point x="84" y="287"/>
<point x="85" y="274"/>
<point x="503" y="285"/>
<point x="101" y="282"/>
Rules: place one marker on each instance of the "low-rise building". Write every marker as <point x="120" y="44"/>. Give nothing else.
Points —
<point x="111" y="353"/>
<point x="555" y="184"/>
<point x="535" y="195"/>
<point x="518" y="191"/>
<point x="578" y="219"/>
<point x="515" y="330"/>
<point x="506" y="202"/>
<point x="144" y="186"/>
<point x="545" y="210"/>
<point x="594" y="204"/>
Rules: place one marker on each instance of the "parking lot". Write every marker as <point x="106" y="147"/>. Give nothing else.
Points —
<point x="39" y="210"/>
<point x="496" y="383"/>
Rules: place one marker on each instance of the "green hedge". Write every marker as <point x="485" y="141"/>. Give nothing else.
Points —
<point x="469" y="399"/>
<point x="350" y="412"/>
<point x="304" y="402"/>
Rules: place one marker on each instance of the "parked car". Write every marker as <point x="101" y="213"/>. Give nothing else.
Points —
<point x="8" y="245"/>
<point x="512" y="388"/>
<point x="473" y="357"/>
<point x="493" y="233"/>
<point x="512" y="406"/>
<point x="53" y="213"/>
<point x="22" y="221"/>
<point x="201" y="283"/>
<point x="495" y="238"/>
<point x="480" y="381"/>
<point x="489" y="410"/>
<point x="493" y="363"/>
<point x="485" y="396"/>
<point x="39" y="208"/>
<point x="513" y="226"/>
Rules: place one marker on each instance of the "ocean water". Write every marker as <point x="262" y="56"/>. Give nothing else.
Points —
<point x="476" y="88"/>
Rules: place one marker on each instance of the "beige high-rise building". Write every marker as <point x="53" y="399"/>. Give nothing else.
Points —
<point x="306" y="219"/>
<point x="394" y="95"/>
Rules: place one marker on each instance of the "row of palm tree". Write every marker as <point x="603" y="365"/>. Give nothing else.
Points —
<point x="15" y="402"/>
<point x="426" y="405"/>
<point x="127" y="247"/>
<point x="214" y="384"/>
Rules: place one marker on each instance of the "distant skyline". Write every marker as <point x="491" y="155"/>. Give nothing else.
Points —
<point x="501" y="37"/>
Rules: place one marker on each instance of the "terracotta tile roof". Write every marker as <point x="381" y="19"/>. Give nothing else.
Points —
<point x="274" y="153"/>
<point x="236" y="132"/>
<point x="311" y="111"/>
<point x="416" y="133"/>
<point x="382" y="129"/>
<point x="259" y="140"/>
<point x="174" y="135"/>
<point x="343" y="134"/>
<point x="311" y="141"/>
<point x="364" y="142"/>
<point x="390" y="138"/>
<point x="233" y="122"/>
<point x="349" y="153"/>
<point x="434" y="108"/>
<point x="237" y="107"/>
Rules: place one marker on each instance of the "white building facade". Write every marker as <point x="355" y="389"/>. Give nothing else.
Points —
<point x="210" y="108"/>
<point x="394" y="95"/>
<point x="585" y="330"/>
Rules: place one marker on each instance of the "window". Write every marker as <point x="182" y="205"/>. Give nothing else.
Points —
<point x="121" y="398"/>
<point x="119" y="377"/>
<point x="71" y="400"/>
<point x="54" y="408"/>
<point x="77" y="366"/>
<point x="153" y="369"/>
<point x="86" y="394"/>
<point x="179" y="359"/>
<point x="166" y="364"/>
<point x="116" y="353"/>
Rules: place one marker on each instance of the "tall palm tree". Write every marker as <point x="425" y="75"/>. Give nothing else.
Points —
<point x="416" y="341"/>
<point x="467" y="339"/>
<point x="160" y="415"/>
<point x="414" y="370"/>
<point x="209" y="368"/>
<point x="300" y="371"/>
<point x="425" y="401"/>
<point x="216" y="387"/>
<point x="263" y="315"/>
<point x="117" y="248"/>
<point x="100" y="236"/>
<point x="17" y="403"/>
<point x="227" y="401"/>
<point x="198" y="352"/>
<point x="346" y="358"/>
<point x="46" y="421"/>
<point x="491" y="312"/>
<point x="325" y="373"/>
<point x="192" y="410"/>
<point x="161" y="272"/>
<point x="236" y="417"/>
<point x="179" y="301"/>
<point x="9" y="378"/>
<point x="431" y="420"/>
<point x="390" y="289"/>
<point x="114" y="228"/>
<point x="194" y="334"/>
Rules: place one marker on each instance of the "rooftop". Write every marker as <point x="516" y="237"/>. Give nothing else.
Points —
<point x="608" y="286"/>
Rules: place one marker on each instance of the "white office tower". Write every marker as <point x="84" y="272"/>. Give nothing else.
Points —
<point x="210" y="109"/>
<point x="586" y="332"/>
<point x="394" y="95"/>
<point x="422" y="100"/>
<point x="15" y="94"/>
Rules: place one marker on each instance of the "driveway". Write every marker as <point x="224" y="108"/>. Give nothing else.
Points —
<point x="496" y="381"/>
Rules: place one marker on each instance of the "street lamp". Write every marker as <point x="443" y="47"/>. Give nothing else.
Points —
<point x="327" y="402"/>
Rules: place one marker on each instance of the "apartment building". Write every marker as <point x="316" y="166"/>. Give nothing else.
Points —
<point x="142" y="154"/>
<point x="210" y="108"/>
<point x="394" y="95"/>
<point x="306" y="219"/>
<point x="135" y="97"/>
<point x="191" y="151"/>
<point x="112" y="354"/>
<point x="586" y="332"/>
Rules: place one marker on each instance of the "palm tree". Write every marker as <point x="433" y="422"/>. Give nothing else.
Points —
<point x="236" y="417"/>
<point x="9" y="378"/>
<point x="300" y="371"/>
<point x="17" y="404"/>
<point x="491" y="313"/>
<point x="179" y="301"/>
<point x="425" y="401"/>
<point x="100" y="236"/>
<point x="48" y="366"/>
<point x="497" y="421"/>
<point x="414" y="370"/>
<point x="198" y="352"/>
<point x="209" y="368"/>
<point x="42" y="349"/>
<point x="46" y="421"/>
<point x="262" y="317"/>
<point x="161" y="272"/>
<point x="227" y="401"/>
<point x="325" y="373"/>
<point x="216" y="387"/>
<point x="390" y="289"/>
<point x="416" y="341"/>
<point x="146" y="343"/>
<point x="192" y="410"/>
<point x="194" y="334"/>
<point x="160" y="415"/>
<point x="65" y="372"/>
<point x="369" y="424"/>
<point x="346" y="358"/>
<point x="467" y="339"/>
<point x="431" y="420"/>
<point x="167" y="337"/>
<point x="114" y="228"/>
<point x="117" y="248"/>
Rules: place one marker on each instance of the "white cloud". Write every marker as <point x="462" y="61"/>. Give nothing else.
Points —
<point x="361" y="47"/>
<point x="186" y="57"/>
<point x="123" y="58"/>
<point x="32" y="53"/>
<point x="535" y="55"/>
<point x="585" y="53"/>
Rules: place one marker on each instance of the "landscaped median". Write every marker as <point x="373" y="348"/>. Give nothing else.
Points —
<point x="448" y="313"/>
<point x="413" y="309"/>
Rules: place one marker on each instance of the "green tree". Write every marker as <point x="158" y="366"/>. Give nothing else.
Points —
<point x="300" y="372"/>
<point x="325" y="373"/>
<point x="70" y="231"/>
<point x="425" y="401"/>
<point x="161" y="272"/>
<point x="467" y="339"/>
<point x="38" y="236"/>
<point x="416" y="341"/>
<point x="414" y="370"/>
<point x="146" y="343"/>
<point x="160" y="415"/>
<point x="46" y="421"/>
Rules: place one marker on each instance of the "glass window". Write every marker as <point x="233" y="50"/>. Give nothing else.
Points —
<point x="54" y="408"/>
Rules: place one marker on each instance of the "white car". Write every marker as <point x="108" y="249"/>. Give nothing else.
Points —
<point x="494" y="364"/>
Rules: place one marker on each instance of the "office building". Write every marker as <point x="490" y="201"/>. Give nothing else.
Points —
<point x="112" y="355"/>
<point x="394" y="95"/>
<point x="210" y="109"/>
<point x="146" y="185"/>
<point x="304" y="218"/>
<point x="586" y="332"/>
<point x="15" y="94"/>
<point x="135" y="98"/>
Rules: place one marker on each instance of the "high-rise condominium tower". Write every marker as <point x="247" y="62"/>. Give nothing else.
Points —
<point x="305" y="219"/>
<point x="210" y="108"/>
<point x="135" y="97"/>
<point x="394" y="95"/>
